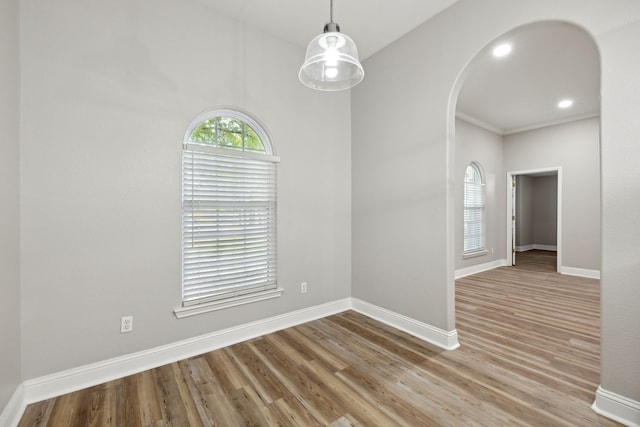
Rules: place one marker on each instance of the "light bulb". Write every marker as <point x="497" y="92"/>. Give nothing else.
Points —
<point x="565" y="103"/>
<point x="502" y="50"/>
<point x="331" y="57"/>
<point x="330" y="72"/>
<point x="332" y="40"/>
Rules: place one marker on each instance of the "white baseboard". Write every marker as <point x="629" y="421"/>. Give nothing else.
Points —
<point x="75" y="379"/>
<point x="536" y="246"/>
<point x="82" y="377"/>
<point x="608" y="404"/>
<point x="552" y="248"/>
<point x="14" y="409"/>
<point x="70" y="380"/>
<point x="474" y="269"/>
<point x="582" y="272"/>
<point x="447" y="340"/>
<point x="85" y="376"/>
<point x="616" y="407"/>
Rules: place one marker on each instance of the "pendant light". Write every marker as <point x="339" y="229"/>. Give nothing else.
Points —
<point x="332" y="61"/>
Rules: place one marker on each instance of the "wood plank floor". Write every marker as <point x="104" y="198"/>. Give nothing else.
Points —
<point x="529" y="356"/>
<point x="537" y="260"/>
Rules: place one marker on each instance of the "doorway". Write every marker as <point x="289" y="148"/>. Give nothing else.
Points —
<point x="515" y="99"/>
<point x="534" y="204"/>
<point x="497" y="109"/>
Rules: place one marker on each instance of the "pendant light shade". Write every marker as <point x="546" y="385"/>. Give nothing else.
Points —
<point x="332" y="61"/>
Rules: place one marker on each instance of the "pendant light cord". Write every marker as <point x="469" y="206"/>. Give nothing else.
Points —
<point x="331" y="11"/>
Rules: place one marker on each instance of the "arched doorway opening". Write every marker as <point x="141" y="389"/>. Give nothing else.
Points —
<point x="512" y="119"/>
<point x="504" y="115"/>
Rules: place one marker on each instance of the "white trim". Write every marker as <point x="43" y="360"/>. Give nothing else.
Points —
<point x="97" y="373"/>
<point x="581" y="272"/>
<point x="474" y="269"/>
<point x="617" y="407"/>
<point x="473" y="254"/>
<point x="552" y="248"/>
<point x="74" y="379"/>
<point x="509" y="241"/>
<point x="12" y="412"/>
<point x="480" y="123"/>
<point x="526" y="248"/>
<point x="504" y="132"/>
<point x="608" y="404"/>
<point x="447" y="340"/>
<point x="550" y="123"/>
<point x="192" y="310"/>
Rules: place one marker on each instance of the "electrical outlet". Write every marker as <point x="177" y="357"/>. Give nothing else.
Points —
<point x="303" y="287"/>
<point x="126" y="324"/>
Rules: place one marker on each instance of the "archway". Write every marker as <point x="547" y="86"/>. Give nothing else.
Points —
<point x="494" y="114"/>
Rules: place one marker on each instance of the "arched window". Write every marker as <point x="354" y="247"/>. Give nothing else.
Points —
<point x="229" y="208"/>
<point x="474" y="206"/>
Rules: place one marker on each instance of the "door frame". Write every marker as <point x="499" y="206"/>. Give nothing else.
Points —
<point x="510" y="243"/>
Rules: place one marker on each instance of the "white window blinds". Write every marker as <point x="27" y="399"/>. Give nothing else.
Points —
<point x="473" y="209"/>
<point x="228" y="224"/>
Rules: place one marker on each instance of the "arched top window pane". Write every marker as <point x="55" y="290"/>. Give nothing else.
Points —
<point x="231" y="130"/>
<point x="226" y="132"/>
<point x="473" y="175"/>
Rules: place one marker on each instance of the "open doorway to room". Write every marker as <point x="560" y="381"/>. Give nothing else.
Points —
<point x="528" y="104"/>
<point x="534" y="204"/>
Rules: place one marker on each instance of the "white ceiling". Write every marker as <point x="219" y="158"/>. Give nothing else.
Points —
<point x="372" y="24"/>
<point x="549" y="61"/>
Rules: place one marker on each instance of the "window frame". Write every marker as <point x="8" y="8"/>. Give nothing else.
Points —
<point x="208" y="153"/>
<point x="480" y="206"/>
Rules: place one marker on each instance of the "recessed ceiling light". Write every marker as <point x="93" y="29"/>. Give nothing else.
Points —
<point x="502" y="50"/>
<point x="565" y="103"/>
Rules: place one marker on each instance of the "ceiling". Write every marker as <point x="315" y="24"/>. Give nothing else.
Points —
<point x="549" y="61"/>
<point x="372" y="24"/>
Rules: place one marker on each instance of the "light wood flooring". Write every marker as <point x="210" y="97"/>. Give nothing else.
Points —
<point x="529" y="355"/>
<point x="537" y="260"/>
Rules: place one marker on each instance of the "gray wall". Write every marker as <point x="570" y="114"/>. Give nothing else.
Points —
<point x="575" y="147"/>
<point x="476" y="144"/>
<point x="108" y="92"/>
<point x="536" y="211"/>
<point x="10" y="357"/>
<point x="403" y="178"/>
<point x="620" y="203"/>
<point x="545" y="210"/>
<point x="524" y="210"/>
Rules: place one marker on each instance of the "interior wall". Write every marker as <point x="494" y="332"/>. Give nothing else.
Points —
<point x="476" y="144"/>
<point x="524" y="211"/>
<point x="620" y="336"/>
<point x="545" y="210"/>
<point x="399" y="178"/>
<point x="574" y="146"/>
<point x="404" y="175"/>
<point x="10" y="355"/>
<point x="108" y="92"/>
<point x="121" y="63"/>
<point x="536" y="211"/>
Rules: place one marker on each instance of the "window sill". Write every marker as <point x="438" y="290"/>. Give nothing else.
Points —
<point x="227" y="303"/>
<point x="474" y="254"/>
